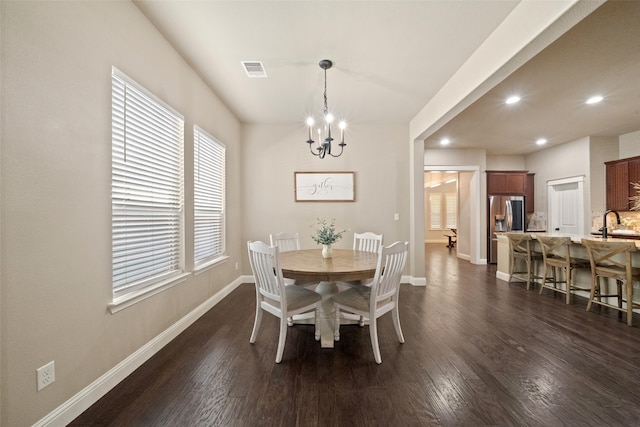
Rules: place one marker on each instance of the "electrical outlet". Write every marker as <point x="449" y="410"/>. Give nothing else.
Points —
<point x="236" y="265"/>
<point x="46" y="375"/>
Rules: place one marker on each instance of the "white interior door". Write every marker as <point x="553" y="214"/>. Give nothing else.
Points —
<point x="566" y="213"/>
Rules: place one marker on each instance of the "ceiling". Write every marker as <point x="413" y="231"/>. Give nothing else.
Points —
<point x="600" y="55"/>
<point x="391" y="57"/>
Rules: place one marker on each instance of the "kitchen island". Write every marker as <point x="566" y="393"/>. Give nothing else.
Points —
<point x="582" y="276"/>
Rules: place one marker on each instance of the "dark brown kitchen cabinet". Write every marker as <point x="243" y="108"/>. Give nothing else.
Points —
<point x="634" y="177"/>
<point x="506" y="183"/>
<point x="620" y="174"/>
<point x="529" y="194"/>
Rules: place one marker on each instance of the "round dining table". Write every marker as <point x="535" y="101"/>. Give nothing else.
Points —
<point x="347" y="266"/>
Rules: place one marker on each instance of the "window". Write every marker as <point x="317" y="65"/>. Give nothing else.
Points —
<point x="451" y="201"/>
<point x="209" y="197"/>
<point x="435" y="203"/>
<point x="146" y="189"/>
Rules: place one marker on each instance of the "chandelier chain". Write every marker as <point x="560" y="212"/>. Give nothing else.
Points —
<point x="326" y="110"/>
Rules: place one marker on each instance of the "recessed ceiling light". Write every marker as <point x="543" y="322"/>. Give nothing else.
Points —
<point x="444" y="141"/>
<point x="512" y="99"/>
<point x="541" y="141"/>
<point x="594" y="99"/>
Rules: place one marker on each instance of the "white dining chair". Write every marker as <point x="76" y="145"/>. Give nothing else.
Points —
<point x="367" y="241"/>
<point x="378" y="299"/>
<point x="273" y="296"/>
<point x="285" y="241"/>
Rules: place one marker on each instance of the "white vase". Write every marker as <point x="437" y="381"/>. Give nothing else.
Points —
<point x="326" y="251"/>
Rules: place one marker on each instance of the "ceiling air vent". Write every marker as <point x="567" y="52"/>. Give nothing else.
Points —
<point x="254" y="68"/>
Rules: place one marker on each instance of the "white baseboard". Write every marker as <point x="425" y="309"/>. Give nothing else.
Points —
<point x="502" y="276"/>
<point x="414" y="281"/>
<point x="79" y="403"/>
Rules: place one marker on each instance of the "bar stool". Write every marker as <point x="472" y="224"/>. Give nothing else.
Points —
<point x="556" y="254"/>
<point x="612" y="260"/>
<point x="520" y="249"/>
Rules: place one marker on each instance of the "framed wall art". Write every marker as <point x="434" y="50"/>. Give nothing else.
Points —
<point x="324" y="186"/>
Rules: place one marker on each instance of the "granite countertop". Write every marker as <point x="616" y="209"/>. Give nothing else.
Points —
<point x="577" y="238"/>
<point x="622" y="233"/>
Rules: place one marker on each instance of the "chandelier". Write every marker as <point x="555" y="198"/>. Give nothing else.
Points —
<point x="324" y="146"/>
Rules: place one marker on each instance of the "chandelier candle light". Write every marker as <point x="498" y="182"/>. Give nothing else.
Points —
<point x="324" y="146"/>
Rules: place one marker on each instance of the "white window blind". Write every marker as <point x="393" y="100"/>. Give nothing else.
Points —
<point x="452" y="209"/>
<point x="209" y="196"/>
<point x="435" y="208"/>
<point x="146" y="187"/>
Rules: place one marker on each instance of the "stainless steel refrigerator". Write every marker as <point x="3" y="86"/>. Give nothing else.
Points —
<point x="504" y="213"/>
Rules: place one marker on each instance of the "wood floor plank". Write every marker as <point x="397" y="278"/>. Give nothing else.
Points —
<point x="478" y="351"/>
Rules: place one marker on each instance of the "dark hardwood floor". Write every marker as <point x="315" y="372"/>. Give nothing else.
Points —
<point x="478" y="351"/>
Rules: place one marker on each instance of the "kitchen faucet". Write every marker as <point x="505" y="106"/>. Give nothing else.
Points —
<point x="604" y="221"/>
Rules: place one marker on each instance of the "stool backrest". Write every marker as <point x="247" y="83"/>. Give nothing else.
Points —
<point x="606" y="253"/>
<point x="558" y="247"/>
<point x="520" y="243"/>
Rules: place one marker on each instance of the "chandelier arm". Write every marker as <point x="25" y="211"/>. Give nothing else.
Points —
<point x="341" y="150"/>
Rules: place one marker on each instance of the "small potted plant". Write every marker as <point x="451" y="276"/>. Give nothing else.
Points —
<point x="326" y="235"/>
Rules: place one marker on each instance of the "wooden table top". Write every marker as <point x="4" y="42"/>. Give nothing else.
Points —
<point x="345" y="265"/>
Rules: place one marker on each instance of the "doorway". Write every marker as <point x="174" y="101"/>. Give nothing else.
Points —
<point x="469" y="213"/>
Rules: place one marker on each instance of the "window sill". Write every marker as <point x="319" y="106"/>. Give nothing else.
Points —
<point x="127" y="300"/>
<point x="201" y="268"/>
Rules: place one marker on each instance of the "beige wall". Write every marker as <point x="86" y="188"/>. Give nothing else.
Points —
<point x="630" y="144"/>
<point x="463" y="245"/>
<point x="55" y="206"/>
<point x="601" y="149"/>
<point x="505" y="163"/>
<point x="376" y="153"/>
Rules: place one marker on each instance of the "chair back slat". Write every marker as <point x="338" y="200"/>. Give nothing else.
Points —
<point x="520" y="243"/>
<point x="368" y="242"/>
<point x="391" y="262"/>
<point x="556" y="247"/>
<point x="604" y="253"/>
<point x="286" y="242"/>
<point x="265" y="264"/>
